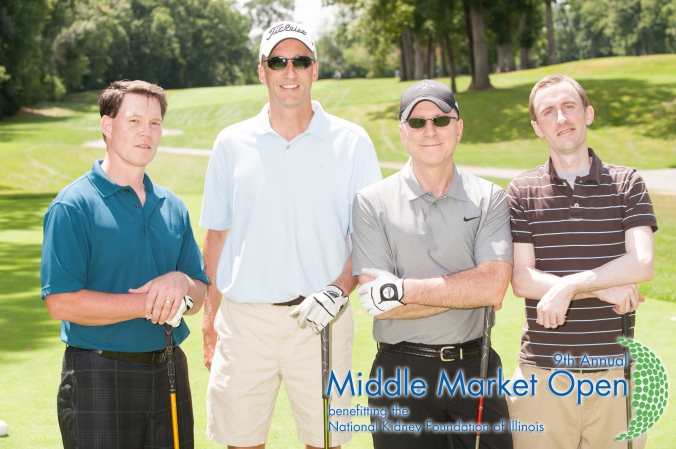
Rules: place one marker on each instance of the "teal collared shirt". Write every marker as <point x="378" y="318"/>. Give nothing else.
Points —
<point x="98" y="236"/>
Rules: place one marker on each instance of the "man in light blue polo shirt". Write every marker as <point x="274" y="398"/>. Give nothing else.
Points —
<point x="277" y="206"/>
<point x="119" y="260"/>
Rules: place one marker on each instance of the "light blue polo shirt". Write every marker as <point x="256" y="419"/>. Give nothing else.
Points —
<point x="288" y="205"/>
<point x="98" y="236"/>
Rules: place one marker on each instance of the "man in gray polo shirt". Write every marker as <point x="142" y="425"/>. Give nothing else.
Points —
<point x="432" y="249"/>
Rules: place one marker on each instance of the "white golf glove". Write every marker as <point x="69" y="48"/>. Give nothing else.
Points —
<point x="186" y="304"/>
<point x="383" y="293"/>
<point x="320" y="308"/>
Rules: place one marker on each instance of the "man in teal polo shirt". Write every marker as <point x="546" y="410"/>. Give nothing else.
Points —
<point x="118" y="261"/>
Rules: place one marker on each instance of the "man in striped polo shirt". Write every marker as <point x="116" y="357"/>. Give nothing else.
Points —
<point x="583" y="238"/>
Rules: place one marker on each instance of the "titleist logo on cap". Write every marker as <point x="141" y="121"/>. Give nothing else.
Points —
<point x="285" y="27"/>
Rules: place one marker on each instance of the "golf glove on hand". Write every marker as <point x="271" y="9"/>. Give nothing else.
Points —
<point x="320" y="308"/>
<point x="383" y="293"/>
<point x="186" y="304"/>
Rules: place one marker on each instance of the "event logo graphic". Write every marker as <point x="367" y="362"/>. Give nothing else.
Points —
<point x="650" y="389"/>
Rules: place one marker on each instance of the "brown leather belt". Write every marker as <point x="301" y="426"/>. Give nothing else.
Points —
<point x="445" y="353"/>
<point x="140" y="357"/>
<point x="293" y="302"/>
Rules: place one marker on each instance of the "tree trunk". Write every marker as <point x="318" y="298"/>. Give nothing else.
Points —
<point x="431" y="59"/>
<point x="511" y="65"/>
<point x="524" y="60"/>
<point x="470" y="37"/>
<point x="443" y="66"/>
<point x="501" y="59"/>
<point x="418" y="59"/>
<point x="407" y="56"/>
<point x="451" y="61"/>
<point x="551" y="47"/>
<point x="592" y="47"/>
<point x="480" y="49"/>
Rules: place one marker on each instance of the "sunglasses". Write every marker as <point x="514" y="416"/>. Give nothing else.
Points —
<point x="441" y="121"/>
<point x="279" y="62"/>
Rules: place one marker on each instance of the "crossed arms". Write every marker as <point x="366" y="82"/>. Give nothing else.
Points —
<point x="614" y="282"/>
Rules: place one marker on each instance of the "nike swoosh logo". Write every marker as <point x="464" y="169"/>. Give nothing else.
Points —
<point x="470" y="219"/>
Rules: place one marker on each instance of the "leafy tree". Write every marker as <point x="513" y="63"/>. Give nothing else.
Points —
<point x="264" y="13"/>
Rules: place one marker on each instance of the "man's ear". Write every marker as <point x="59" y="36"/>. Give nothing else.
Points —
<point x="106" y="126"/>
<point x="589" y="115"/>
<point x="537" y="129"/>
<point x="261" y="73"/>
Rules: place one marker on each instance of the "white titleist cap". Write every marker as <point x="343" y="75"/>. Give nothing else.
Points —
<point x="281" y="31"/>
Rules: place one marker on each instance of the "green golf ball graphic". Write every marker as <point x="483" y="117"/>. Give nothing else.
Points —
<point x="650" y="389"/>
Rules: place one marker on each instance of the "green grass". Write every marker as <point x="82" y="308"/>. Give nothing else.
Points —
<point x="30" y="358"/>
<point x="41" y="153"/>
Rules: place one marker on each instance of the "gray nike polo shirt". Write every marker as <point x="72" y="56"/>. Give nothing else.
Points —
<point x="401" y="228"/>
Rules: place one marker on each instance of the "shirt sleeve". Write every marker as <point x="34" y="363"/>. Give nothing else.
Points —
<point x="216" y="207"/>
<point x="521" y="232"/>
<point x="494" y="241"/>
<point x="190" y="261"/>
<point x="639" y="208"/>
<point x="366" y="172"/>
<point x="66" y="250"/>
<point x="371" y="249"/>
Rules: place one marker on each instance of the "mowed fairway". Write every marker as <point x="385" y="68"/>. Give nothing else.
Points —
<point x="41" y="151"/>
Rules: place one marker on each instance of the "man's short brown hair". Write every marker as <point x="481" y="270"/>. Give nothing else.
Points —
<point x="550" y="80"/>
<point x="112" y="96"/>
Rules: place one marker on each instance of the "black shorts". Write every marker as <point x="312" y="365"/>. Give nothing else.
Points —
<point x="444" y="409"/>
<point x="104" y="403"/>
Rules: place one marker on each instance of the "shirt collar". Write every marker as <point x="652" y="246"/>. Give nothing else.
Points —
<point x="414" y="191"/>
<point x="106" y="187"/>
<point x="595" y="170"/>
<point x="318" y="124"/>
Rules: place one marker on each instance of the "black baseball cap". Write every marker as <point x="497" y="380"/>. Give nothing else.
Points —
<point x="427" y="90"/>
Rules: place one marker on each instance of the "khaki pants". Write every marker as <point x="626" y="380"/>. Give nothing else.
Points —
<point x="259" y="346"/>
<point x="593" y="424"/>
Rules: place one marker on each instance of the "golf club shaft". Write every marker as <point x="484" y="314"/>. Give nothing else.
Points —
<point x="171" y="371"/>
<point x="325" y="335"/>
<point x="627" y="371"/>
<point x="483" y="368"/>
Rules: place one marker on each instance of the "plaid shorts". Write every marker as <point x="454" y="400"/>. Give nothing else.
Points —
<point x="104" y="403"/>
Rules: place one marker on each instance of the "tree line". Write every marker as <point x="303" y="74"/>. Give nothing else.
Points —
<point x="477" y="37"/>
<point x="51" y="47"/>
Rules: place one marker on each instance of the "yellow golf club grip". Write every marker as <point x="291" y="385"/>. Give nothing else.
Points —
<point x="174" y="420"/>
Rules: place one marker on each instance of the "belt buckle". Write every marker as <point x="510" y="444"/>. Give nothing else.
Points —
<point x="444" y="359"/>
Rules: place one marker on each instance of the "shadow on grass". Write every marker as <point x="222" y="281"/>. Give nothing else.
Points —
<point x="502" y="114"/>
<point x="24" y="321"/>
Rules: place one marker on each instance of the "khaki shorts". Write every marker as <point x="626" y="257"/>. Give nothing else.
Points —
<point x="259" y="346"/>
<point x="593" y="424"/>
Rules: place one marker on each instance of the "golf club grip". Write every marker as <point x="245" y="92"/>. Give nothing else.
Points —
<point x="325" y="335"/>
<point x="171" y="369"/>
<point x="486" y="341"/>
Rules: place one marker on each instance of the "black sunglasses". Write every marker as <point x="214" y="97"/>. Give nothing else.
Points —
<point x="441" y="121"/>
<point x="279" y="62"/>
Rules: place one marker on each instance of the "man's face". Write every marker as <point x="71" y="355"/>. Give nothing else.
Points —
<point x="431" y="145"/>
<point x="133" y="135"/>
<point x="562" y="119"/>
<point x="289" y="87"/>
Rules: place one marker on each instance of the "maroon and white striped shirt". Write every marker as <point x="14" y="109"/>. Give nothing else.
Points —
<point x="573" y="229"/>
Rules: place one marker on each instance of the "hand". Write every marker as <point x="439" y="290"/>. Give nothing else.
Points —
<point x="185" y="304"/>
<point x="552" y="308"/>
<point x="383" y="293"/>
<point x="320" y="308"/>
<point x="163" y="295"/>
<point x="625" y="297"/>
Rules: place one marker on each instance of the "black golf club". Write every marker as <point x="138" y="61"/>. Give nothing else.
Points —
<point x="627" y="371"/>
<point x="483" y="369"/>
<point x="325" y="382"/>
